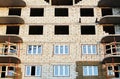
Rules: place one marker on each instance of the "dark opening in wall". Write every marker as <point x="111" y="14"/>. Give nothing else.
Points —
<point x="88" y="30"/>
<point x="36" y="12"/>
<point x="76" y="1"/>
<point x="47" y="1"/>
<point x="61" y="30"/>
<point x="106" y="11"/>
<point x="35" y="30"/>
<point x="86" y="12"/>
<point x="109" y="29"/>
<point x="33" y="70"/>
<point x="15" y="11"/>
<point x="12" y="30"/>
<point x="62" y="2"/>
<point x="3" y="71"/>
<point x="61" y="11"/>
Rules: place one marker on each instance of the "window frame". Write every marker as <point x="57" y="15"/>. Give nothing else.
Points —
<point x="65" y="73"/>
<point x="92" y="52"/>
<point x="32" y="50"/>
<point x="36" y="67"/>
<point x="90" y="72"/>
<point x="61" y="51"/>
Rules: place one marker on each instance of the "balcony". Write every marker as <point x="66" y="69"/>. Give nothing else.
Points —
<point x="4" y="20"/>
<point x="110" y="19"/>
<point x="109" y="3"/>
<point x="12" y="3"/>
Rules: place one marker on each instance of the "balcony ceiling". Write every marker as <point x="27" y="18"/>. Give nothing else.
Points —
<point x="110" y="38"/>
<point x="12" y="3"/>
<point x="9" y="59"/>
<point x="111" y="59"/>
<point x="109" y="3"/>
<point x="11" y="20"/>
<point x="110" y="19"/>
<point x="12" y="39"/>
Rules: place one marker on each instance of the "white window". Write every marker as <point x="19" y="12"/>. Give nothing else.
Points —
<point x="89" y="49"/>
<point x="61" y="49"/>
<point x="33" y="71"/>
<point x="34" y="49"/>
<point x="90" y="70"/>
<point x="61" y="70"/>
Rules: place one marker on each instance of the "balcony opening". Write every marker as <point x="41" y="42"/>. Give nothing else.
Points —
<point x="87" y="12"/>
<point x="3" y="72"/>
<point x="15" y="11"/>
<point x="76" y="1"/>
<point x="36" y="12"/>
<point x="12" y="30"/>
<point x="33" y="70"/>
<point x="109" y="29"/>
<point x="35" y="30"/>
<point x="61" y="30"/>
<point x="62" y="2"/>
<point x="88" y="30"/>
<point x="47" y="1"/>
<point x="61" y="12"/>
<point x="106" y="11"/>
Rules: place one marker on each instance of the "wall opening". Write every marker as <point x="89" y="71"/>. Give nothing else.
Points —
<point x="61" y="30"/>
<point x="33" y="70"/>
<point x="12" y="30"/>
<point x="15" y="11"/>
<point x="61" y="12"/>
<point x="106" y="11"/>
<point x="86" y="12"/>
<point x="109" y="29"/>
<point x="36" y="12"/>
<point x="47" y="1"/>
<point x="35" y="30"/>
<point x="76" y="1"/>
<point x="3" y="72"/>
<point x="62" y="2"/>
<point x="88" y="30"/>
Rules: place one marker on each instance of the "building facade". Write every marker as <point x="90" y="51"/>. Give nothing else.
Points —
<point x="59" y="39"/>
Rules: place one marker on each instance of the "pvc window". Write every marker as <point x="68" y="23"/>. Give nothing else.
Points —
<point x="34" y="49"/>
<point x="90" y="70"/>
<point x="33" y="71"/>
<point x="61" y="70"/>
<point x="61" y="49"/>
<point x="89" y="49"/>
<point x="110" y="70"/>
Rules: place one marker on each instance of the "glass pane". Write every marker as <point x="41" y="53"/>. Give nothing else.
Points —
<point x="28" y="70"/>
<point x="39" y="49"/>
<point x="56" y="50"/>
<point x="34" y="49"/>
<point x="66" y="49"/>
<point x="61" y="70"/>
<point x="85" y="71"/>
<point x="61" y="49"/>
<point x="66" y="70"/>
<point x="55" y="70"/>
<point x="95" y="70"/>
<point x="94" y="49"/>
<point x="38" y="71"/>
<point x="90" y="70"/>
<point x="29" y="49"/>
<point x="89" y="49"/>
<point x="84" y="49"/>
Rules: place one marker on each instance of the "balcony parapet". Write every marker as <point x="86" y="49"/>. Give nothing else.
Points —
<point x="10" y="38"/>
<point x="110" y="19"/>
<point x="109" y="3"/>
<point x="4" y="20"/>
<point x="12" y="3"/>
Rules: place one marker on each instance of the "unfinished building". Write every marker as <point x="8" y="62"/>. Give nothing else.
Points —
<point x="59" y="39"/>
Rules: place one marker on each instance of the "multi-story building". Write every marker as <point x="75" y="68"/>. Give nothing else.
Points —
<point x="59" y="39"/>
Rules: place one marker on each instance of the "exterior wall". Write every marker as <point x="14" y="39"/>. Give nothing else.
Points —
<point x="74" y="40"/>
